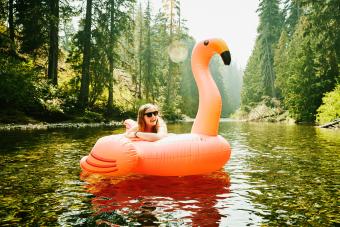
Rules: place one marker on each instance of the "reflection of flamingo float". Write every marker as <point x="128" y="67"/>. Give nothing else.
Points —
<point x="201" y="200"/>
<point x="202" y="151"/>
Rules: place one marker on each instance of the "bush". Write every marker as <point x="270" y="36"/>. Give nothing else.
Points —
<point x="90" y="117"/>
<point x="19" y="86"/>
<point x="23" y="89"/>
<point x="330" y="109"/>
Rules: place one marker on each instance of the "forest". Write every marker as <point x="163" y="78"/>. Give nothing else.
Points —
<point x="96" y="61"/>
<point x="99" y="60"/>
<point x="294" y="66"/>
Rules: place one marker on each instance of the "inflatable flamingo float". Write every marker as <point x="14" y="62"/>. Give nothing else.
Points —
<point x="201" y="151"/>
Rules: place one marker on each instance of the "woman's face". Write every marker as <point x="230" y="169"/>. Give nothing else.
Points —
<point x="151" y="116"/>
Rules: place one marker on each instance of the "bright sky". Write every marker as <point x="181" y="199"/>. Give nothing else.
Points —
<point x="235" y="21"/>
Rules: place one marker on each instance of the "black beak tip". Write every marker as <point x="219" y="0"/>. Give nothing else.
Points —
<point x="226" y="57"/>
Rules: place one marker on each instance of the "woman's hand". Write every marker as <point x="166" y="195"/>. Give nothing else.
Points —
<point x="130" y="134"/>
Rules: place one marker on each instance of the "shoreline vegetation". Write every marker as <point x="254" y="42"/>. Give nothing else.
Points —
<point x="45" y="126"/>
<point x="261" y="113"/>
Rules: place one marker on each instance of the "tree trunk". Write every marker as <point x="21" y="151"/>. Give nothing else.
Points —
<point x="140" y="60"/>
<point x="110" y="99"/>
<point x="148" y="72"/>
<point x="10" y="20"/>
<point x="269" y="64"/>
<point x="170" y="76"/>
<point x="54" y="40"/>
<point x="85" y="77"/>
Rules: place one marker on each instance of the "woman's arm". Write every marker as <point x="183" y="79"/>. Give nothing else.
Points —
<point x="162" y="132"/>
<point x="149" y="136"/>
<point x="133" y="129"/>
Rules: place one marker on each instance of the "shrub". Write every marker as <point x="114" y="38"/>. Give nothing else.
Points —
<point x="330" y="109"/>
<point x="19" y="87"/>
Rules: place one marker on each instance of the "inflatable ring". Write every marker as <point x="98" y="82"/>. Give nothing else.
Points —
<point x="201" y="151"/>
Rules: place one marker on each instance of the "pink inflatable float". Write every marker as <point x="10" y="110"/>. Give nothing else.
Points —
<point x="201" y="151"/>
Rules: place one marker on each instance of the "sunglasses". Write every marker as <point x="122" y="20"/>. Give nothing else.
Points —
<point x="155" y="113"/>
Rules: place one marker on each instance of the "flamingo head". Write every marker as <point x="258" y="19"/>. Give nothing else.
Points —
<point x="213" y="46"/>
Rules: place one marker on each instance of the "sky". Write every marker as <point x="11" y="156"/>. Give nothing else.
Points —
<point x="235" y="21"/>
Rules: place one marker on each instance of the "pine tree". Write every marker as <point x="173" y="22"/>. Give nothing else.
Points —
<point x="271" y="20"/>
<point x="253" y="88"/>
<point x="85" y="77"/>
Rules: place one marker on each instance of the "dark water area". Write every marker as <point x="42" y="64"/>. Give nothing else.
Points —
<point x="278" y="175"/>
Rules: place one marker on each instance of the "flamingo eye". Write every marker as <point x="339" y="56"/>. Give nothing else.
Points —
<point x="206" y="42"/>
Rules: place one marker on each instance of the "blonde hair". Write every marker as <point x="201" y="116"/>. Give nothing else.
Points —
<point x="140" y="117"/>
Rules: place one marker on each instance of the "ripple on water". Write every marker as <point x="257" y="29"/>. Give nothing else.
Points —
<point x="278" y="175"/>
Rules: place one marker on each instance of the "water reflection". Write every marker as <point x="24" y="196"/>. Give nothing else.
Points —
<point x="292" y="172"/>
<point x="278" y="175"/>
<point x="152" y="200"/>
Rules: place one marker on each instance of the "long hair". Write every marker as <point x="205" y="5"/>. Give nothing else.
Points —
<point x="140" y="117"/>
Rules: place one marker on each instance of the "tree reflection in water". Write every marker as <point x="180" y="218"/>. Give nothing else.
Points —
<point x="150" y="200"/>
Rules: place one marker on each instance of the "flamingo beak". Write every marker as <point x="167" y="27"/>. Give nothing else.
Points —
<point x="226" y="57"/>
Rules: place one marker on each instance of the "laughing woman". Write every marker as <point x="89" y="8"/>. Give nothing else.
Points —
<point x="151" y="126"/>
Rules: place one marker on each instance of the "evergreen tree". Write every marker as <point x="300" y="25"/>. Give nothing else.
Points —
<point x="306" y="58"/>
<point x="292" y="11"/>
<point x="281" y="62"/>
<point x="301" y="86"/>
<point x="171" y="8"/>
<point x="53" y="42"/>
<point x="139" y="47"/>
<point x="188" y="88"/>
<point x="147" y="56"/>
<point x="33" y="30"/>
<point x="11" y="19"/>
<point x="85" y="76"/>
<point x="253" y="88"/>
<point x="232" y="78"/>
<point x="269" y="29"/>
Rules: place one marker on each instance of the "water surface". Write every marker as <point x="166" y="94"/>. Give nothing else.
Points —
<point x="277" y="175"/>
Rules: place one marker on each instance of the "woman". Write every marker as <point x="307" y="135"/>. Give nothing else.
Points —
<point x="151" y="126"/>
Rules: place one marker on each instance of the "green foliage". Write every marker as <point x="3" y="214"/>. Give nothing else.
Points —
<point x="292" y="11"/>
<point x="57" y="103"/>
<point x="170" y="112"/>
<point x="330" y="108"/>
<point x="188" y="87"/>
<point x="259" y="75"/>
<point x="305" y="57"/>
<point x="3" y="11"/>
<point x="300" y="76"/>
<point x="90" y="116"/>
<point x="33" y="29"/>
<point x="281" y="62"/>
<point x="252" y="90"/>
<point x="20" y="86"/>
<point x="271" y="20"/>
<point x="232" y="79"/>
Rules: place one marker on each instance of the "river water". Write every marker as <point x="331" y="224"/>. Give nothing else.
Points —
<point x="278" y="175"/>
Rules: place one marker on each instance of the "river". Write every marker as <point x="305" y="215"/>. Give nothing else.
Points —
<point x="278" y="175"/>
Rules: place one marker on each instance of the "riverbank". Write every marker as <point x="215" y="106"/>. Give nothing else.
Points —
<point x="263" y="113"/>
<point x="17" y="120"/>
<point x="45" y="126"/>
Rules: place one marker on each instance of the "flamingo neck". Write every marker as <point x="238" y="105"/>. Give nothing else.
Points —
<point x="210" y="102"/>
